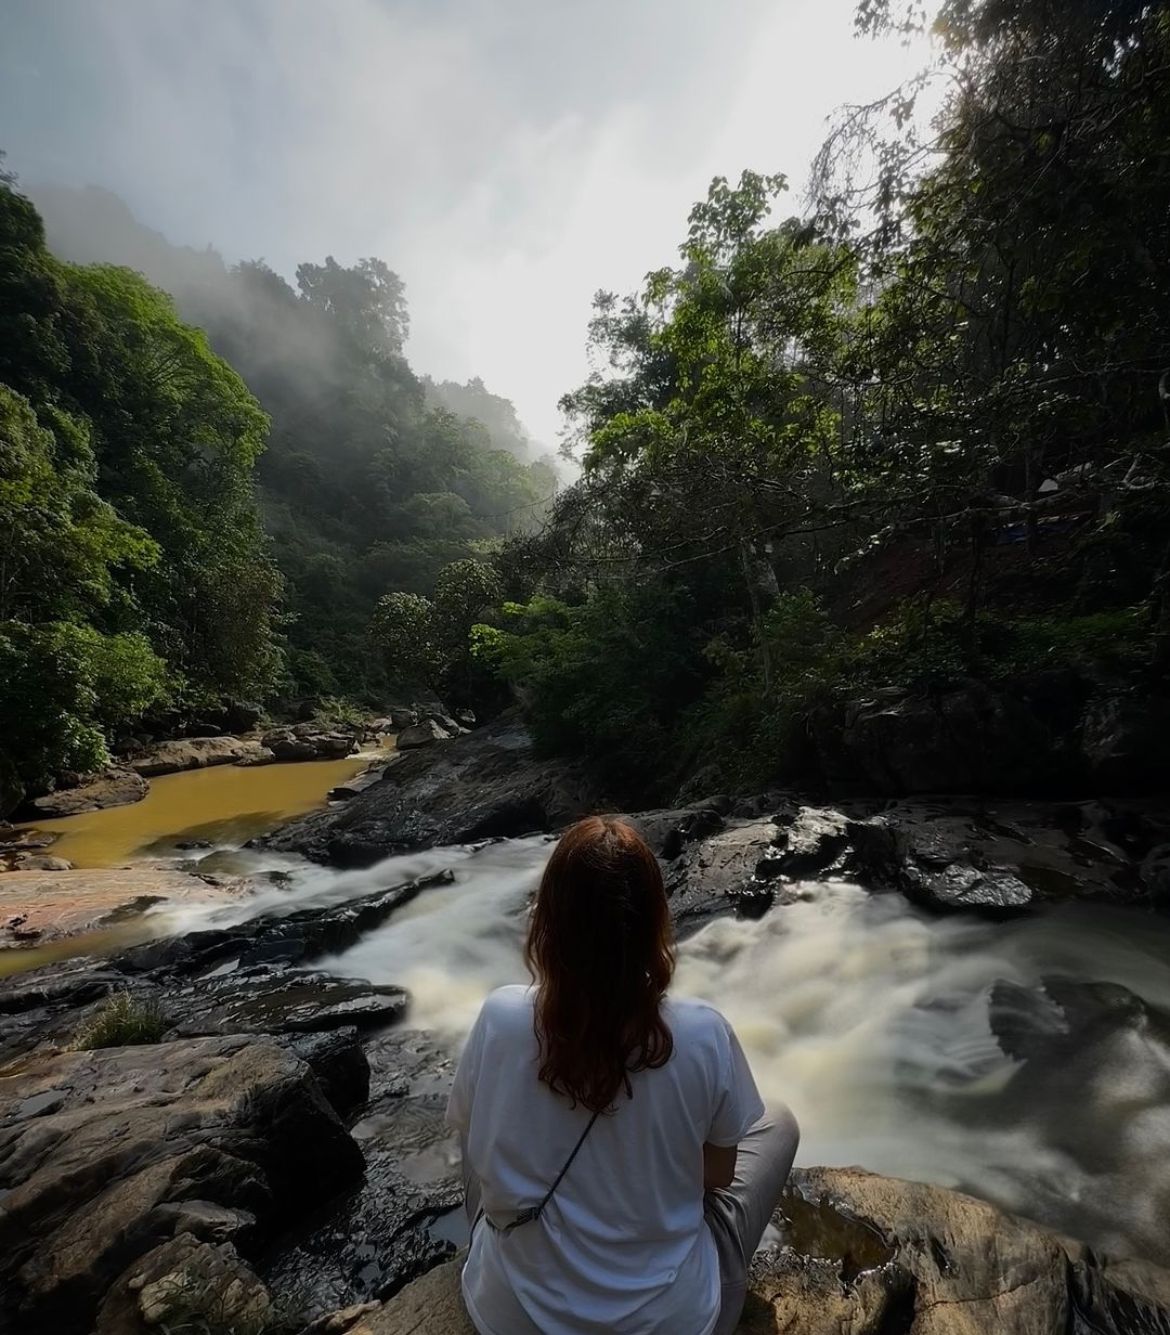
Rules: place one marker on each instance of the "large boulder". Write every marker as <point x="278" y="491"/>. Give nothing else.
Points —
<point x="307" y="741"/>
<point x="106" y="1155"/>
<point x="485" y="785"/>
<point x="114" y="787"/>
<point x="422" y="734"/>
<point x="867" y="1255"/>
<point x="192" y="753"/>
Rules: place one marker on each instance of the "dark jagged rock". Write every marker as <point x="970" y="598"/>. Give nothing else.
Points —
<point x="380" y="1237"/>
<point x="488" y="784"/>
<point x="338" y="1061"/>
<point x="263" y="1000"/>
<point x="95" y="1178"/>
<point x="285" y="939"/>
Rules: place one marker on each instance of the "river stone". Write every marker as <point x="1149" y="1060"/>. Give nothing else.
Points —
<point x="963" y="888"/>
<point x="91" y="1186"/>
<point x="113" y="787"/>
<point x="422" y="734"/>
<point x="192" y="753"/>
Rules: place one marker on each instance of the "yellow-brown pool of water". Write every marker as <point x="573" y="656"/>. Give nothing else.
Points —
<point x="225" y="804"/>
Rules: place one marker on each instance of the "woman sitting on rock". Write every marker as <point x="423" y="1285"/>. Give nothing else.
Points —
<point x="620" y="1165"/>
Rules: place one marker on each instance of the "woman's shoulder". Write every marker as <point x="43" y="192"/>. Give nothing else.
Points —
<point x="691" y="1017"/>
<point x="507" y="1005"/>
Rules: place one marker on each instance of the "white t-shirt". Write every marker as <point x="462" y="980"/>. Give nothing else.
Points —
<point x="622" y="1246"/>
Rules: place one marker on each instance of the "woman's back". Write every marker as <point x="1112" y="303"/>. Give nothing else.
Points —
<point x="622" y="1244"/>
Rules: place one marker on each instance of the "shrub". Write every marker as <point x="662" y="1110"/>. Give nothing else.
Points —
<point x="124" y="1021"/>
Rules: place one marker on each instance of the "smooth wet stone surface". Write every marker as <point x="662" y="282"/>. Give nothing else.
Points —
<point x="133" y="1138"/>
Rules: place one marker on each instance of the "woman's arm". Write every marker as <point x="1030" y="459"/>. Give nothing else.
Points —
<point x="718" y="1166"/>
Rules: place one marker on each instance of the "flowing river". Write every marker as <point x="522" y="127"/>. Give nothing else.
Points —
<point x="869" y="1017"/>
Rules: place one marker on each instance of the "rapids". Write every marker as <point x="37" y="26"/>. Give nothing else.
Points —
<point x="870" y="1018"/>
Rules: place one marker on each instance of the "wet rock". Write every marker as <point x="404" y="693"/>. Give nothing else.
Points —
<point x="381" y="1235"/>
<point x="402" y="718"/>
<point x="423" y="734"/>
<point x="337" y="1060"/>
<point x="91" y="1187"/>
<point x="669" y="832"/>
<point x="716" y="864"/>
<point x="297" y="938"/>
<point x="113" y="787"/>
<point x="192" y="753"/>
<point x="486" y="785"/>
<point x="1098" y="1047"/>
<point x="722" y="873"/>
<point x="262" y="1000"/>
<point x="963" y="888"/>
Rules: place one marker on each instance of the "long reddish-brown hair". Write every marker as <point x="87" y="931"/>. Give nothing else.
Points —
<point x="601" y="951"/>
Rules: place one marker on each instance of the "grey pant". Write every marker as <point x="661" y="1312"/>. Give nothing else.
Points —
<point x="736" y="1215"/>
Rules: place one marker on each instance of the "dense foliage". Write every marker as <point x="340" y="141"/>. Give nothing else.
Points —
<point x="916" y="438"/>
<point x="167" y="542"/>
<point x="373" y="479"/>
<point x="133" y="569"/>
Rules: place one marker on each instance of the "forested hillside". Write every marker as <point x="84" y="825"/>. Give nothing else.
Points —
<point x="373" y="479"/>
<point x="191" y="517"/>
<point x="880" y="493"/>
<point x="875" y="494"/>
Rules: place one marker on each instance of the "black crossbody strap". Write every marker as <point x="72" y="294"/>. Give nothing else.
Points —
<point x="535" y="1211"/>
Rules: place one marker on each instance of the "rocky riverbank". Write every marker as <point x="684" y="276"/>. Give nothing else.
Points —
<point x="278" y="1153"/>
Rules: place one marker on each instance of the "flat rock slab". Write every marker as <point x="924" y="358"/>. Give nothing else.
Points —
<point x="40" y="906"/>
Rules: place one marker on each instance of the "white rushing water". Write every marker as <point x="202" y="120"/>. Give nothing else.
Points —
<point x="868" y="1017"/>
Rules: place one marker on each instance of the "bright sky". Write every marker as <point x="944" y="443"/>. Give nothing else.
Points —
<point x="506" y="157"/>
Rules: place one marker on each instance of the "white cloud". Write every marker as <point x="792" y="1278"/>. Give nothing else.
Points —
<point x="507" y="157"/>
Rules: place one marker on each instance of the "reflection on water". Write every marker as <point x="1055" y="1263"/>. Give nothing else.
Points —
<point x="225" y="805"/>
